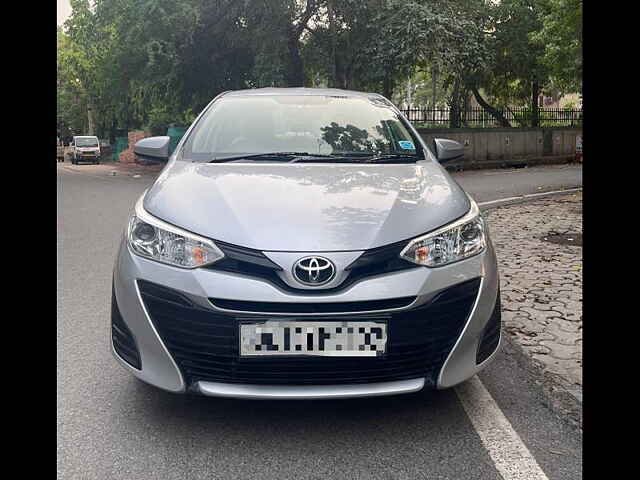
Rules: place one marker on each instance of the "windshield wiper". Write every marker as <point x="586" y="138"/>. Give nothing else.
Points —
<point x="359" y="157"/>
<point x="393" y="157"/>
<point x="269" y="156"/>
<point x="303" y="157"/>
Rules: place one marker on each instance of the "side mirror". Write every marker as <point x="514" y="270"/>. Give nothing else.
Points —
<point x="447" y="150"/>
<point x="153" y="148"/>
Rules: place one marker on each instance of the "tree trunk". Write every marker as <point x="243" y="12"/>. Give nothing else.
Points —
<point x="434" y="97"/>
<point x="535" y="109"/>
<point x="295" y="75"/>
<point x="334" y="59"/>
<point x="339" y="72"/>
<point x="500" y="118"/>
<point x="454" y="108"/>
<point x="387" y="86"/>
<point x="91" y="125"/>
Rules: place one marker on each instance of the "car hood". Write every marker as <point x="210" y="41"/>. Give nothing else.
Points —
<point x="306" y="207"/>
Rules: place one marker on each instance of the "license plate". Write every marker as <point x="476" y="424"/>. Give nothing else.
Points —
<point x="335" y="339"/>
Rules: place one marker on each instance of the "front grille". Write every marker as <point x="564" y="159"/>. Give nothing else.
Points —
<point x="254" y="263"/>
<point x="331" y="307"/>
<point x="491" y="334"/>
<point x="123" y="341"/>
<point x="204" y="343"/>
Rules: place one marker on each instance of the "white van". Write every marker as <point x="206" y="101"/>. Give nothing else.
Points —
<point x="85" y="148"/>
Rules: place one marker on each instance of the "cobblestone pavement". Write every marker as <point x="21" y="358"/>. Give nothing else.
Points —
<point x="538" y="244"/>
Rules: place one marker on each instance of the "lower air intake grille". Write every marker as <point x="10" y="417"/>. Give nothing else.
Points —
<point x="204" y="343"/>
<point x="491" y="335"/>
<point x="123" y="341"/>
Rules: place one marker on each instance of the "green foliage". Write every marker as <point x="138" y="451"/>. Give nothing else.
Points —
<point x="158" y="120"/>
<point x="515" y="64"/>
<point x="561" y="40"/>
<point x="344" y="138"/>
<point x="151" y="63"/>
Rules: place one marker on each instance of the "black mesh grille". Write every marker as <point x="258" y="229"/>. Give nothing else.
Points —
<point x="123" y="341"/>
<point x="491" y="334"/>
<point x="254" y="263"/>
<point x="204" y="343"/>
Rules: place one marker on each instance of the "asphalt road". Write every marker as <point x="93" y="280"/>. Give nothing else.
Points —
<point x="113" y="426"/>
<point x="486" y="185"/>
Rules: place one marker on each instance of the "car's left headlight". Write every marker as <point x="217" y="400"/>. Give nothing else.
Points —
<point x="156" y="240"/>
<point x="459" y="240"/>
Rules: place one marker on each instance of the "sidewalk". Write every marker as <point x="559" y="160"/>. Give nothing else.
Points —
<point x="539" y="249"/>
<point x="126" y="169"/>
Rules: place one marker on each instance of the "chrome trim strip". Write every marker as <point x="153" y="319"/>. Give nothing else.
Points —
<point x="310" y="392"/>
<point x="417" y="301"/>
<point x="491" y="357"/>
<point x="158" y="338"/>
<point x="464" y="330"/>
<point x="121" y="360"/>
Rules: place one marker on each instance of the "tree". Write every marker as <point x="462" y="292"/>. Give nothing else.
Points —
<point x="77" y="59"/>
<point x="71" y="104"/>
<point x="560" y="38"/>
<point x="148" y="63"/>
<point x="444" y="35"/>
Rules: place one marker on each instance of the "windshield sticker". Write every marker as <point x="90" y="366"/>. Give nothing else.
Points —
<point x="406" y="145"/>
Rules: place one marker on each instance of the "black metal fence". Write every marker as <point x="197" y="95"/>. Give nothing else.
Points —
<point x="480" y="118"/>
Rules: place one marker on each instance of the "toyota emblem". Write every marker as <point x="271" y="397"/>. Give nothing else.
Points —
<point x="314" y="270"/>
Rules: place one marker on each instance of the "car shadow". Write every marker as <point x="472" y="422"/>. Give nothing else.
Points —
<point x="160" y="406"/>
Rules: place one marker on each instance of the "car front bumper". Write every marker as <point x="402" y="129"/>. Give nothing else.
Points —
<point x="160" y="366"/>
<point x="87" y="156"/>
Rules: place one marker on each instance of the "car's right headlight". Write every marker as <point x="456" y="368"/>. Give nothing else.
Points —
<point x="454" y="242"/>
<point x="154" y="239"/>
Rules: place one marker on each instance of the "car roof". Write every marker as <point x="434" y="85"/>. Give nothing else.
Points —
<point x="300" y="91"/>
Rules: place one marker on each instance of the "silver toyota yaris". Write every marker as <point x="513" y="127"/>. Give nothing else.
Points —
<point x="304" y="243"/>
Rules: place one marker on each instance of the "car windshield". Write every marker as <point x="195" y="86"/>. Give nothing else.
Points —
<point x="324" y="125"/>
<point x="86" y="142"/>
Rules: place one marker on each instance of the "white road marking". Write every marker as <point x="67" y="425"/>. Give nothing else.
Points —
<point x="506" y="199"/>
<point x="510" y="455"/>
<point x="529" y="195"/>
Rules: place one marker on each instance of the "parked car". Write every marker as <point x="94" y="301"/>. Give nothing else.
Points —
<point x="304" y="243"/>
<point x="59" y="150"/>
<point x="85" y="148"/>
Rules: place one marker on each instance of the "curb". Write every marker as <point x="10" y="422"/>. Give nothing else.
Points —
<point x="501" y="202"/>
<point x="510" y="163"/>
<point x="564" y="400"/>
<point x="115" y="168"/>
<point x="137" y="168"/>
